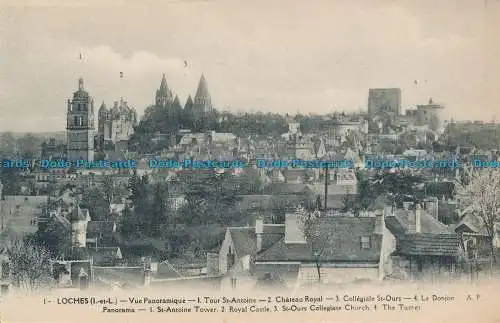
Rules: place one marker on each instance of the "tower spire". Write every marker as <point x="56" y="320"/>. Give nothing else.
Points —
<point x="80" y="84"/>
<point x="202" y="91"/>
<point x="163" y="85"/>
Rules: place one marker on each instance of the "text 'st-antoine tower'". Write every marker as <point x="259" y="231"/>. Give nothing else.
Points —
<point x="80" y="125"/>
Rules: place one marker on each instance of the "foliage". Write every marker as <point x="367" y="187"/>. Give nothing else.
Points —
<point x="30" y="264"/>
<point x="402" y="186"/>
<point x="310" y="224"/>
<point x="55" y="237"/>
<point x="210" y="197"/>
<point x="481" y="136"/>
<point x="482" y="199"/>
<point x="95" y="200"/>
<point x="151" y="225"/>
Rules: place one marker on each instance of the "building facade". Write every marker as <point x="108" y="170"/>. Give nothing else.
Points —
<point x="115" y="125"/>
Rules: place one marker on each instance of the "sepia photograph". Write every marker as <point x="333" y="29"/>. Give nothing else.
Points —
<point x="236" y="161"/>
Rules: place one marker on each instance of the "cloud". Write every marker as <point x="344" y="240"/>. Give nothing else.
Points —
<point x="302" y="56"/>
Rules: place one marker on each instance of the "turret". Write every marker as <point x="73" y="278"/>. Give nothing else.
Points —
<point x="79" y="219"/>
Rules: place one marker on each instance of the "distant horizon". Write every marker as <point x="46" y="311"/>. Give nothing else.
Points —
<point x="315" y="56"/>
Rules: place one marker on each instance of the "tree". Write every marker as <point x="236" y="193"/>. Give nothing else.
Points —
<point x="160" y="208"/>
<point x="7" y="145"/>
<point x="95" y="201"/>
<point x="310" y="225"/>
<point x="55" y="237"/>
<point x="108" y="187"/>
<point x="30" y="264"/>
<point x="29" y="146"/>
<point x="482" y="197"/>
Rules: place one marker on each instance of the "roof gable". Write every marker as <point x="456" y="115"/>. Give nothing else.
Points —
<point x="341" y="242"/>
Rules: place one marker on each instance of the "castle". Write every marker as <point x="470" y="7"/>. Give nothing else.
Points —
<point x="115" y="125"/>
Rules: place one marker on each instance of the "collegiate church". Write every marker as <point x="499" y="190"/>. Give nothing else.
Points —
<point x="116" y="125"/>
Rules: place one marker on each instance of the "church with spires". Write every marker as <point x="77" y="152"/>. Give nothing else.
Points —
<point x="196" y="110"/>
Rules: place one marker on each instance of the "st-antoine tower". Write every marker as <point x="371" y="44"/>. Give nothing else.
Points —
<point x="80" y="127"/>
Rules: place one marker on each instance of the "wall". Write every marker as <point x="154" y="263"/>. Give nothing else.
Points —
<point x="226" y="244"/>
<point x="388" y="245"/>
<point x="212" y="263"/>
<point x="288" y="273"/>
<point x="308" y="273"/>
<point x="433" y="268"/>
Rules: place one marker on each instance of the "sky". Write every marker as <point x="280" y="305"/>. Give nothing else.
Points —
<point x="307" y="56"/>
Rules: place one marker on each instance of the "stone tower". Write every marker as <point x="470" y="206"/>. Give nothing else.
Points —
<point x="79" y="219"/>
<point x="80" y="127"/>
<point x="202" y="100"/>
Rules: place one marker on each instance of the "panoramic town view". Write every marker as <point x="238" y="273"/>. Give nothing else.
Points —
<point x="164" y="163"/>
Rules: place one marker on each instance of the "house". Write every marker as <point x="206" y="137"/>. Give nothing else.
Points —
<point x="239" y="248"/>
<point x="474" y="237"/>
<point x="73" y="274"/>
<point x="424" y="247"/>
<point x="250" y="255"/>
<point x="350" y="251"/>
<point x="94" y="239"/>
<point x="101" y="233"/>
<point x="400" y="244"/>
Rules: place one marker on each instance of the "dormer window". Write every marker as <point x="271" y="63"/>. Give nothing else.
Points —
<point x="366" y="243"/>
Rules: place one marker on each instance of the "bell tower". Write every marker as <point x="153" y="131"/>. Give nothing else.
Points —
<point x="80" y="127"/>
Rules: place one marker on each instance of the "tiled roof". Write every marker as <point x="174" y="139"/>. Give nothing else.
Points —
<point x="244" y="240"/>
<point x="398" y="223"/>
<point x="427" y="244"/>
<point x="471" y="223"/>
<point x="105" y="254"/>
<point x="256" y="201"/>
<point x="341" y="241"/>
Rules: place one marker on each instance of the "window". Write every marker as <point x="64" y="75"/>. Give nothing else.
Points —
<point x="365" y="243"/>
<point x="75" y="121"/>
<point x="233" y="282"/>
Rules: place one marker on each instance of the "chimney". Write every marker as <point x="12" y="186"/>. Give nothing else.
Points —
<point x="259" y="230"/>
<point x="379" y="223"/>
<point x="388" y="211"/>
<point x="418" y="225"/>
<point x="147" y="276"/>
<point x="147" y="270"/>
<point x="432" y="206"/>
<point x="293" y="232"/>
